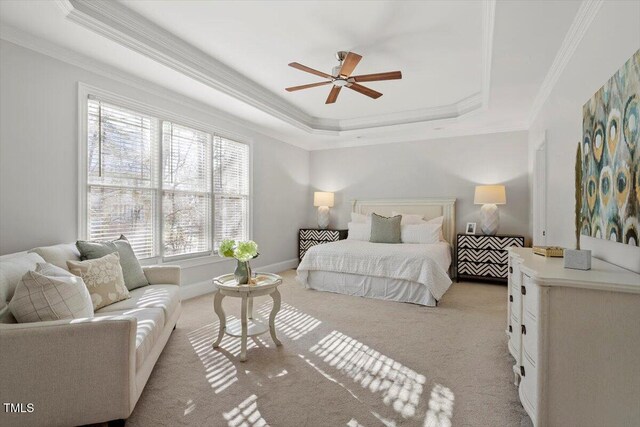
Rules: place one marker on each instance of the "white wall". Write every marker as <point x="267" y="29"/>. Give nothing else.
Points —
<point x="448" y="167"/>
<point x="38" y="160"/>
<point x="610" y="41"/>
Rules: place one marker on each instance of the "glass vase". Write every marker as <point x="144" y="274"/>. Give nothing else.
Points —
<point x="242" y="273"/>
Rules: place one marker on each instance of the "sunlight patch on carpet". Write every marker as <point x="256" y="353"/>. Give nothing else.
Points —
<point x="385" y="421"/>
<point x="190" y="407"/>
<point x="440" y="407"/>
<point x="220" y="370"/>
<point x="399" y="385"/>
<point x="290" y="321"/>
<point x="245" y="414"/>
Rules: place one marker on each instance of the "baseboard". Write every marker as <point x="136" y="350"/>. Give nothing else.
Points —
<point x="201" y="288"/>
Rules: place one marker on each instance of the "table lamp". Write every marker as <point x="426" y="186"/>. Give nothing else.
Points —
<point x="489" y="196"/>
<point x="323" y="201"/>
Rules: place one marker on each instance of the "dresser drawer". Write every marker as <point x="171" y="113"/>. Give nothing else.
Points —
<point x="489" y="242"/>
<point x="483" y="255"/>
<point x="529" y="387"/>
<point x="514" y="304"/>
<point x="529" y="332"/>
<point x="320" y="235"/>
<point x="483" y="269"/>
<point x="306" y="244"/>
<point x="530" y="298"/>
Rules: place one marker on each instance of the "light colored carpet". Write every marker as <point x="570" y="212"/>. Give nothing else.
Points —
<point x="344" y="361"/>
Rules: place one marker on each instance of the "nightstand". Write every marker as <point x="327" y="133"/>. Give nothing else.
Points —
<point x="308" y="237"/>
<point x="484" y="257"/>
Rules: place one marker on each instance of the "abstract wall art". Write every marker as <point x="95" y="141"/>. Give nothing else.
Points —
<point x="611" y="158"/>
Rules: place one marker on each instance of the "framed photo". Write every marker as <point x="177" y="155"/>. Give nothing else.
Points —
<point x="471" y="228"/>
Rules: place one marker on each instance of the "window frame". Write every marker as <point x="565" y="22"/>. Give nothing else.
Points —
<point x="86" y="91"/>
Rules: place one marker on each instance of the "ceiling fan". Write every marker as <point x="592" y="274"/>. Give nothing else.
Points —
<point x="341" y="77"/>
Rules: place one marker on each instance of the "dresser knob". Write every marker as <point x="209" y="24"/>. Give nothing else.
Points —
<point x="523" y="290"/>
<point x="510" y="328"/>
<point x="510" y="269"/>
<point x="510" y="298"/>
<point x="523" y="329"/>
<point x="522" y="370"/>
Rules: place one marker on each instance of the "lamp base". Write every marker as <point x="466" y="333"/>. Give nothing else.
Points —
<point x="323" y="217"/>
<point x="490" y="219"/>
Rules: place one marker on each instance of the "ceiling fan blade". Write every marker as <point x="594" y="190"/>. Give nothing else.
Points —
<point x="349" y="63"/>
<point x="333" y="95"/>
<point x="294" y="88"/>
<point x="391" y="75"/>
<point x="309" y="70"/>
<point x="364" y="90"/>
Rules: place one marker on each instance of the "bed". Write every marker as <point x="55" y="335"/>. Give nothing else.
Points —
<point x="405" y="272"/>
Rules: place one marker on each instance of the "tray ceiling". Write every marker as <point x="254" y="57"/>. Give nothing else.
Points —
<point x="468" y="66"/>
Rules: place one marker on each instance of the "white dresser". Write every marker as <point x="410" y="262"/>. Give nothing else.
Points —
<point x="575" y="336"/>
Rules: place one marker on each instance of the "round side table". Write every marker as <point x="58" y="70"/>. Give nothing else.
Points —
<point x="248" y="325"/>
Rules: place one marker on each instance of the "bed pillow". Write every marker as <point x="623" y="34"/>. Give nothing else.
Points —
<point x="359" y="231"/>
<point x="103" y="277"/>
<point x="131" y="270"/>
<point x="359" y="218"/>
<point x="50" y="293"/>
<point x="385" y="229"/>
<point x="438" y="221"/>
<point x="421" y="233"/>
<point x="409" y="218"/>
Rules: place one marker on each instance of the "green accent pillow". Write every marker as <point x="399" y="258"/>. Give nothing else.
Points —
<point x="385" y="230"/>
<point x="131" y="270"/>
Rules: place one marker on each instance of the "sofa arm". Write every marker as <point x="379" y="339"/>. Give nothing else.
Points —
<point x="162" y="274"/>
<point x="74" y="372"/>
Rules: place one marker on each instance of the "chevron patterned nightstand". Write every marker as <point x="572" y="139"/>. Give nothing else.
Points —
<point x="484" y="257"/>
<point x="308" y="237"/>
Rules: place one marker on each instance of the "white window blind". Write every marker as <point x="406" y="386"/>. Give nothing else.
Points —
<point x="170" y="189"/>
<point x="122" y="184"/>
<point x="231" y="190"/>
<point x="186" y="196"/>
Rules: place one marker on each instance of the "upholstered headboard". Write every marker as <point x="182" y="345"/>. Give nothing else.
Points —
<point x="430" y="208"/>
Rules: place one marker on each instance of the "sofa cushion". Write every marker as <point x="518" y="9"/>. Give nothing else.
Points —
<point x="12" y="268"/>
<point x="150" y="326"/>
<point x="131" y="270"/>
<point x="40" y="296"/>
<point x="58" y="255"/>
<point x="103" y="277"/>
<point x="166" y="297"/>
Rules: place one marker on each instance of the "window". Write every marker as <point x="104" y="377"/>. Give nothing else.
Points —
<point x="170" y="189"/>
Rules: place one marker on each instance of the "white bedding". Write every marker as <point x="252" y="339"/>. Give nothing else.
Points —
<point x="424" y="264"/>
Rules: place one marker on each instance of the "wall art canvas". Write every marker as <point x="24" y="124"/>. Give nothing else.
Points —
<point x="611" y="158"/>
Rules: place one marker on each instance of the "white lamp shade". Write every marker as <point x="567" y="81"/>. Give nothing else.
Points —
<point x="490" y="194"/>
<point x="321" y="198"/>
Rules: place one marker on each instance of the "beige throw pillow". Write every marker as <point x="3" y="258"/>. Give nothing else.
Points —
<point x="48" y="294"/>
<point x="103" y="277"/>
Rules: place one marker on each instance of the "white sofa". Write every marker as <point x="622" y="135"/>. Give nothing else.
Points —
<point x="82" y="371"/>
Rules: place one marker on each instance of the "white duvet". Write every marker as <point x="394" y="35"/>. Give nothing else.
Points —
<point x="425" y="264"/>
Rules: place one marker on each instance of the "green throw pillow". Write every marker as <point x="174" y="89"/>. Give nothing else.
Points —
<point x="131" y="270"/>
<point x="385" y="230"/>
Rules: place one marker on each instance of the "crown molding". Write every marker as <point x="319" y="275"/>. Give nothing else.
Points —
<point x="581" y="23"/>
<point x="28" y="41"/>
<point x="425" y="136"/>
<point x="128" y="28"/>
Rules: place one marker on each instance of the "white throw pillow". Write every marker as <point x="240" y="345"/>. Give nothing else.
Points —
<point x="359" y="231"/>
<point x="360" y="218"/>
<point x="50" y="293"/>
<point x="420" y="233"/>
<point x="438" y="221"/>
<point x="409" y="218"/>
<point x="104" y="279"/>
